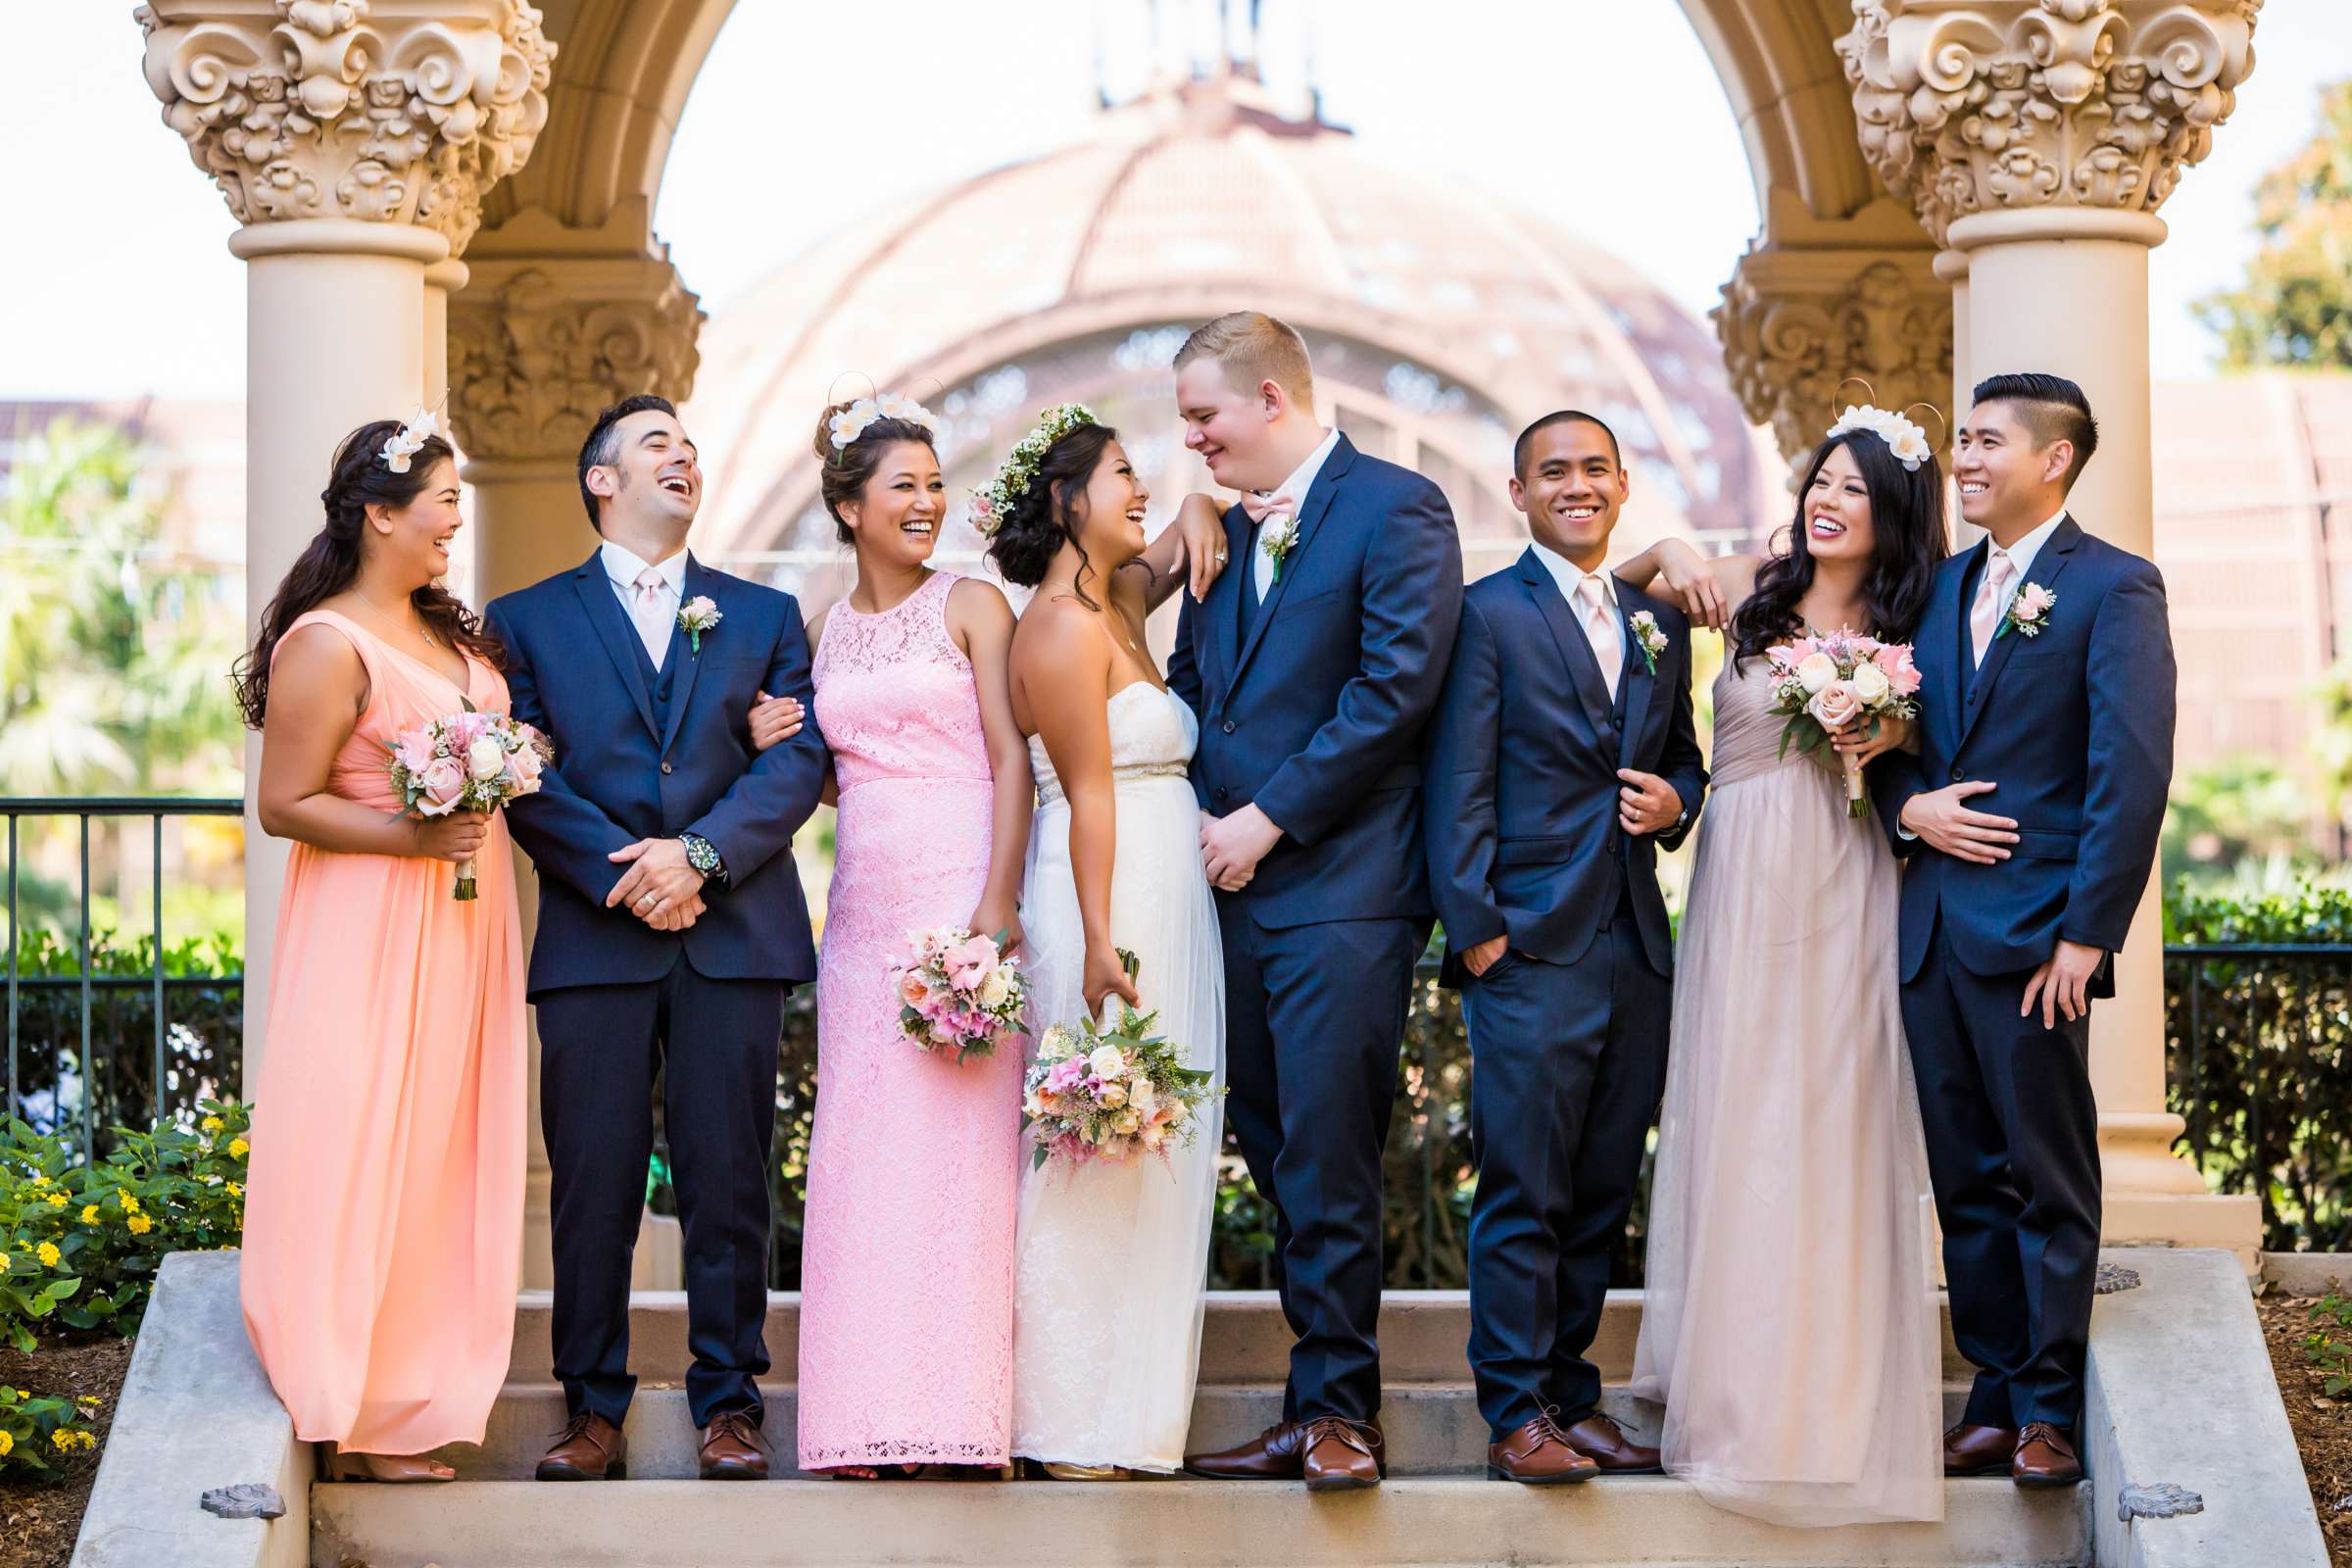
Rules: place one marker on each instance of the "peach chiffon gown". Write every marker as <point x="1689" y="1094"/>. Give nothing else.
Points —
<point x="384" y="1205"/>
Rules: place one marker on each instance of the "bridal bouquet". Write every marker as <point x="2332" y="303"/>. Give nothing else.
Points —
<point x="1111" y="1093"/>
<point x="468" y="762"/>
<point x="958" y="993"/>
<point x="1828" y="680"/>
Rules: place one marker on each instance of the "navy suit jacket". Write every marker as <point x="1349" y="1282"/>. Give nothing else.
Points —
<point x="1522" y="773"/>
<point x="1318" y="717"/>
<point x="619" y="776"/>
<point x="2076" y="726"/>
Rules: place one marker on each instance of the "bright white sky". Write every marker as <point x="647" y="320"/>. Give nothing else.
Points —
<point x="116" y="279"/>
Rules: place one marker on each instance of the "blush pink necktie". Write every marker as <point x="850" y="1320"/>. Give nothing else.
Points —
<point x="653" y="626"/>
<point x="1993" y="601"/>
<point x="1601" y="625"/>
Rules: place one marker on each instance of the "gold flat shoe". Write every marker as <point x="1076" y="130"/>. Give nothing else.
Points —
<point x="1087" y="1472"/>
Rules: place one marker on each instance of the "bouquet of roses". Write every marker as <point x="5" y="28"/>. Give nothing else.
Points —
<point x="960" y="992"/>
<point x="1111" y="1093"/>
<point x="1828" y="680"/>
<point x="468" y="762"/>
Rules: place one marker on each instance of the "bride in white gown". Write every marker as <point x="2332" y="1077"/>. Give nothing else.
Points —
<point x="1112" y="1259"/>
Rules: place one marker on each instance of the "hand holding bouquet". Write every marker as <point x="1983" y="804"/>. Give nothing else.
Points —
<point x="958" y="993"/>
<point x="468" y="762"/>
<point x="1827" y="681"/>
<point x="1111" y="1093"/>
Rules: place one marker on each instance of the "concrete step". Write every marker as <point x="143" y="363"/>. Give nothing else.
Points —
<point x="1650" y="1521"/>
<point x="1433" y="1429"/>
<point x="1243" y="1340"/>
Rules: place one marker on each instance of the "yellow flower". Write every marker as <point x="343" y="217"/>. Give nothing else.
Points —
<point x="239" y="1149"/>
<point x="212" y="1124"/>
<point x="49" y="1254"/>
<point x="90" y="1213"/>
<point x="130" y="1204"/>
<point x="5" y="1260"/>
<point x="140" y="1224"/>
<point x="89" y="1399"/>
<point x="234" y="1190"/>
<point x="7" y="1444"/>
<point x="63" y="1438"/>
<point x="57" y="1199"/>
<point x="40" y="1181"/>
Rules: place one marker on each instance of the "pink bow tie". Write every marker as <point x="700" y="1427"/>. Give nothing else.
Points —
<point x="1273" y="504"/>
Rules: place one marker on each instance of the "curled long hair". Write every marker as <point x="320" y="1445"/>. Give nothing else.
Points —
<point x="330" y="562"/>
<point x="1906" y="525"/>
<point x="1052" y="511"/>
<point x="844" y="474"/>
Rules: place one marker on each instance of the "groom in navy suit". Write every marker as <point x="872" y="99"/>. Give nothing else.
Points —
<point x="1562" y="759"/>
<point x="2049" y="694"/>
<point x="1312" y="665"/>
<point x="670" y="927"/>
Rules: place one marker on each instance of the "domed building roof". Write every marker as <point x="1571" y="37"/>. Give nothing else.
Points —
<point x="1440" y="320"/>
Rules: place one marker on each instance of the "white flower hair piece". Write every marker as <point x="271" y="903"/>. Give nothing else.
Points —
<point x="850" y="422"/>
<point x="1907" y="440"/>
<point x="1018" y="471"/>
<point x="399" y="448"/>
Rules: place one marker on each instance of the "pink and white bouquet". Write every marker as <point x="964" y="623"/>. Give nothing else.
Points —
<point x="1828" y="680"/>
<point x="958" y="993"/>
<point x="468" y="762"/>
<point x="1111" y="1093"/>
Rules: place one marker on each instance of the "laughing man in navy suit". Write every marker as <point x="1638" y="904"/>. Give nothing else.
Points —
<point x="2029" y="820"/>
<point x="670" y="927"/>
<point x="1562" y="759"/>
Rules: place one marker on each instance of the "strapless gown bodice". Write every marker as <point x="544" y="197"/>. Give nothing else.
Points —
<point x="1152" y="734"/>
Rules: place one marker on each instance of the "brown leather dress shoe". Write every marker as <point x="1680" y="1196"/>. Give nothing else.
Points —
<point x="1603" y="1440"/>
<point x="2045" y="1457"/>
<point x="1274" y="1454"/>
<point x="731" y="1448"/>
<point x="588" y="1448"/>
<point x="1970" y="1450"/>
<point x="1343" y="1455"/>
<point x="1538" y="1455"/>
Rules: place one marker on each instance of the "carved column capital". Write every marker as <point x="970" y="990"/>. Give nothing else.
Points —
<point x="1984" y="106"/>
<point x="1796" y="321"/>
<point x="326" y="109"/>
<point x="539" y="344"/>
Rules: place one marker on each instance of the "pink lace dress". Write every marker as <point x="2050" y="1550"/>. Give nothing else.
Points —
<point x="914" y="1167"/>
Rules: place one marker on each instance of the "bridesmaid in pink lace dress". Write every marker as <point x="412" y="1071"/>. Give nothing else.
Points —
<point x="385" y="1200"/>
<point x="907" y="1267"/>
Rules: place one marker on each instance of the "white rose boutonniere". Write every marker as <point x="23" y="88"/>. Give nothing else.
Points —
<point x="696" y="616"/>
<point x="1278" y="538"/>
<point x="2028" y="611"/>
<point x="1648" y="638"/>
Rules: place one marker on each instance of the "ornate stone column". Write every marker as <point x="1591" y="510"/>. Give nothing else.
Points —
<point x="2036" y="139"/>
<point x="554" y="325"/>
<point x="354" y="140"/>
<point x="1822" y="302"/>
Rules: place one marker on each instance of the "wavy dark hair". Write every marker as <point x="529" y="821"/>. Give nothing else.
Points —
<point x="1907" y="523"/>
<point x="843" y="476"/>
<point x="1051" y="513"/>
<point x="330" y="562"/>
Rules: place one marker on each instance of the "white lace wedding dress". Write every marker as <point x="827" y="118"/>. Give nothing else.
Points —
<point x="1112" y="1258"/>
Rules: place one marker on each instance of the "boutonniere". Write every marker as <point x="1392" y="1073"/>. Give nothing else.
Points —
<point x="1647" y="638"/>
<point x="696" y="616"/>
<point x="2029" y="609"/>
<point x="1278" y="538"/>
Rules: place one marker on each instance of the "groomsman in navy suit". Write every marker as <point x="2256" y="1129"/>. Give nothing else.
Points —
<point x="670" y="927"/>
<point x="1562" y="758"/>
<point x="1312" y="665"/>
<point x="2047" y="697"/>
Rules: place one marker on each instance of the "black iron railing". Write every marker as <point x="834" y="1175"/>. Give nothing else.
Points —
<point x="126" y="1089"/>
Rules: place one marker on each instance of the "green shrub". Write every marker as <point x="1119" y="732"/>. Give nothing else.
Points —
<point x="2330" y="1345"/>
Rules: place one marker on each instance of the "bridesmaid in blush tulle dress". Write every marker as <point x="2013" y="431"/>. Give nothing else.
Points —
<point x="1790" y="1319"/>
<point x="906" y="1267"/>
<point x="385" y="1206"/>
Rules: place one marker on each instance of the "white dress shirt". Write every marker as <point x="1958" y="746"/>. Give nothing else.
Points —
<point x="1571" y="578"/>
<point x="654" y="621"/>
<point x="1302" y="479"/>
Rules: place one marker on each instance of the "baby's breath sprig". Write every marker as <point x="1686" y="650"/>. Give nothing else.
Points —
<point x="992" y="504"/>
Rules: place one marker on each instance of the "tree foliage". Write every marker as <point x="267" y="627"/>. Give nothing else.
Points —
<point x="2295" y="306"/>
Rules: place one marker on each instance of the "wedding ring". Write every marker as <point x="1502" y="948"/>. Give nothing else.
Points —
<point x="1220" y="557"/>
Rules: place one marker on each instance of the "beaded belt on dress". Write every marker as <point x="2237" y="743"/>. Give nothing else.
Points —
<point x="1049" y="788"/>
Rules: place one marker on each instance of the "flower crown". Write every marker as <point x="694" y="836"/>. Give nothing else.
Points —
<point x="399" y="448"/>
<point x="1018" y="471"/>
<point x="1905" y="439"/>
<point x="850" y="422"/>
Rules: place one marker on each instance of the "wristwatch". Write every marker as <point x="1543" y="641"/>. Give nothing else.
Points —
<point x="702" y="855"/>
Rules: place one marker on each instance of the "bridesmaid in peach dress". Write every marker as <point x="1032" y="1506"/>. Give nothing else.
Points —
<point x="385" y="1200"/>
